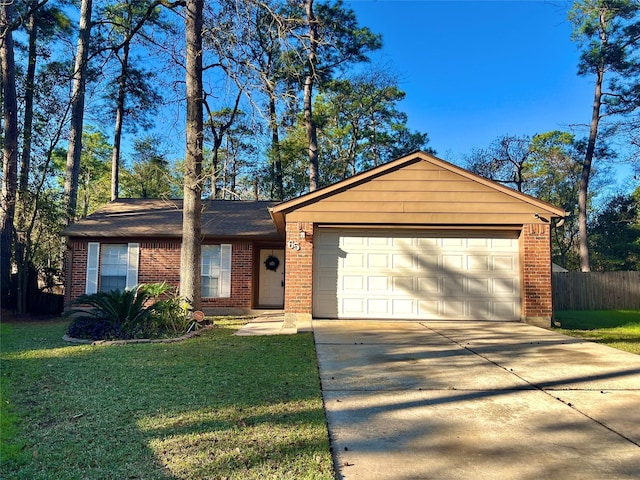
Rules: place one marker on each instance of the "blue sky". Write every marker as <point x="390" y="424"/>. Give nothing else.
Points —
<point x="476" y="70"/>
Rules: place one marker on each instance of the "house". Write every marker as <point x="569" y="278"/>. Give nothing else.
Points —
<point x="132" y="241"/>
<point x="416" y="238"/>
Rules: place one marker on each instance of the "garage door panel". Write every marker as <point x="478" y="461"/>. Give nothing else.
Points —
<point x="452" y="242"/>
<point x="452" y="262"/>
<point x="327" y="283"/>
<point x="478" y="262"/>
<point x="374" y="274"/>
<point x="478" y="243"/>
<point x="351" y="283"/>
<point x="452" y="285"/>
<point x="378" y="260"/>
<point x="403" y="285"/>
<point x="402" y="261"/>
<point x="478" y="286"/>
<point x="429" y="309"/>
<point x="502" y="243"/>
<point x="427" y="263"/>
<point x="379" y="241"/>
<point x="480" y="310"/>
<point x="427" y="242"/>
<point x="378" y="284"/>
<point x="504" y="309"/>
<point x="403" y="307"/>
<point x="352" y="260"/>
<point x="505" y="286"/>
<point x="380" y="306"/>
<point x="453" y="308"/>
<point x="504" y="263"/>
<point x="353" y="307"/>
<point x="428" y="285"/>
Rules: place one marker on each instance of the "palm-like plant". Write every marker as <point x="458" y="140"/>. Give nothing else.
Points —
<point x="130" y="312"/>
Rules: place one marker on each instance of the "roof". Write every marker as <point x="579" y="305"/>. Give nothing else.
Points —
<point x="142" y="217"/>
<point x="420" y="189"/>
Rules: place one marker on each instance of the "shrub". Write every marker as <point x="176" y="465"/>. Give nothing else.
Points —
<point x="145" y="311"/>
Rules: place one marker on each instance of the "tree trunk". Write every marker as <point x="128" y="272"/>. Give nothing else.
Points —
<point x="77" y="112"/>
<point x="583" y="191"/>
<point x="22" y="257"/>
<point x="190" y="268"/>
<point x="310" y="126"/>
<point x="275" y="142"/>
<point x="117" y="135"/>
<point x="25" y="161"/>
<point x="585" y="265"/>
<point x="214" y="173"/>
<point x="10" y="150"/>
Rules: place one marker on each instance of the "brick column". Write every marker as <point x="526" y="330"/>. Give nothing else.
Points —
<point x="298" y="274"/>
<point x="536" y="273"/>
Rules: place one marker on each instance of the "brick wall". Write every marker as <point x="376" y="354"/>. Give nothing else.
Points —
<point x="76" y="274"/>
<point x="536" y="273"/>
<point x="160" y="262"/>
<point x="299" y="273"/>
<point x="241" y="280"/>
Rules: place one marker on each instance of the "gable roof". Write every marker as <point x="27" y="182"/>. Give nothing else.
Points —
<point x="141" y="217"/>
<point x="420" y="189"/>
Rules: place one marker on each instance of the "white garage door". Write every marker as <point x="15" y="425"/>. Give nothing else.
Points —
<point x="416" y="275"/>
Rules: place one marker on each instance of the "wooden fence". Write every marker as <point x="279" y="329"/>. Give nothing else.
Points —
<point x="596" y="290"/>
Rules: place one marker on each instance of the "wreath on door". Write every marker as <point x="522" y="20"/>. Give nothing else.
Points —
<point x="272" y="263"/>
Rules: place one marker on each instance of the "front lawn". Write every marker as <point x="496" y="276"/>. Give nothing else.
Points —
<point x="616" y="328"/>
<point x="212" y="407"/>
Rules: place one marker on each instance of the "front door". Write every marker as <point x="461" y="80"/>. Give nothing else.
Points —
<point x="271" y="278"/>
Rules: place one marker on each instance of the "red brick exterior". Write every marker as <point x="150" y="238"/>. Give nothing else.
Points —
<point x="299" y="272"/>
<point x="76" y="274"/>
<point x="160" y="262"/>
<point x="537" y="298"/>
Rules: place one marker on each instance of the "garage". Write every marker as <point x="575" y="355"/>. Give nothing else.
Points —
<point x="427" y="275"/>
<point x="417" y="238"/>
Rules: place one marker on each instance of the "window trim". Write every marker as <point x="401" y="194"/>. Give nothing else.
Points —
<point x="94" y="267"/>
<point x="224" y="270"/>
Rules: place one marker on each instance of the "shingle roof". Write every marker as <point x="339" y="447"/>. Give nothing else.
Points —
<point x="163" y="218"/>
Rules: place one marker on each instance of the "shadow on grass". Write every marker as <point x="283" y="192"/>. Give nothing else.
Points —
<point x="214" y="406"/>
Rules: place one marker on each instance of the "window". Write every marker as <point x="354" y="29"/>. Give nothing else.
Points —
<point x="111" y="266"/>
<point x="216" y="271"/>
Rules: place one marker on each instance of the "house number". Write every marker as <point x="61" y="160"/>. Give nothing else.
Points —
<point x="293" y="245"/>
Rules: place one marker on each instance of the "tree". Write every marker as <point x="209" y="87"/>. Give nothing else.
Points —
<point x="190" y="267"/>
<point x="43" y="26"/>
<point x="93" y="179"/>
<point x="126" y="21"/>
<point x="507" y="160"/>
<point x="149" y="175"/>
<point x="271" y="58"/>
<point x="360" y="125"/>
<point x="10" y="147"/>
<point x="553" y="175"/>
<point x="77" y="111"/>
<point x="609" y="33"/>
<point x="615" y="235"/>
<point x="219" y="124"/>
<point x="547" y="166"/>
<point x="333" y="38"/>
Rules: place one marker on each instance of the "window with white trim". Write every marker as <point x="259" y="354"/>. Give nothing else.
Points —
<point x="216" y="271"/>
<point x="111" y="266"/>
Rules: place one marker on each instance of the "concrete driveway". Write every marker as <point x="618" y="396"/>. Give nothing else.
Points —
<point x="445" y="400"/>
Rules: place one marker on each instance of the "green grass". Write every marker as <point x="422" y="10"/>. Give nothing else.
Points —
<point x="616" y="328"/>
<point x="212" y="407"/>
